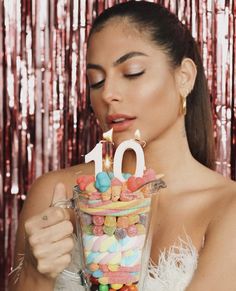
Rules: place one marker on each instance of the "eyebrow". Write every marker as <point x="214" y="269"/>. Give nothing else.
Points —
<point x="119" y="61"/>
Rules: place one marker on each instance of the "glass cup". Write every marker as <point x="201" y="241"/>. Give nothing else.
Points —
<point x="114" y="237"/>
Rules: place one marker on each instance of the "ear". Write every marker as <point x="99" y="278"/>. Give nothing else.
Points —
<point x="186" y="76"/>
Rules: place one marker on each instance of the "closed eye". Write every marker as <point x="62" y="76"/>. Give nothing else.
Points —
<point x="97" y="85"/>
<point x="133" y="76"/>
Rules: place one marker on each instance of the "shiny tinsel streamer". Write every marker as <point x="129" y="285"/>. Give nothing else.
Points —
<point x="46" y="122"/>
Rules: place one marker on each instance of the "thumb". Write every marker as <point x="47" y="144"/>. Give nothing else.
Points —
<point x="59" y="194"/>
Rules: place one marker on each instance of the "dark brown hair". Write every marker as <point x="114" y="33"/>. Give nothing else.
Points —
<point x="165" y="30"/>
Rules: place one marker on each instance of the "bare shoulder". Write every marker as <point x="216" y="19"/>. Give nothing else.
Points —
<point x="217" y="258"/>
<point x="225" y="212"/>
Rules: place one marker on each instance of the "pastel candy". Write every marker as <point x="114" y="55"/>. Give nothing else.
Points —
<point x="149" y="175"/>
<point x="115" y="192"/>
<point x="110" y="221"/>
<point x="98" y="219"/>
<point x="132" y="230"/>
<point x="91" y="188"/>
<point x="86" y="219"/>
<point x="103" y="243"/>
<point x="103" y="258"/>
<point x="131" y="243"/>
<point x="116" y="182"/>
<point x="97" y="274"/>
<point x="103" y="268"/>
<point x="123" y="222"/>
<point x="84" y="180"/>
<point x="93" y="267"/>
<point x="111" y="258"/>
<point x="140" y="228"/>
<point x="88" y="241"/>
<point x="103" y="182"/>
<point x="90" y="257"/>
<point x="109" y="230"/>
<point x="103" y="280"/>
<point x="106" y="195"/>
<point x="120" y="233"/>
<point x="135" y="268"/>
<point x="133" y="219"/>
<point x="88" y="229"/>
<point x="109" y="243"/>
<point x="126" y="195"/>
<point x="95" y="196"/>
<point x="131" y="258"/>
<point x="116" y="286"/>
<point x="120" y="278"/>
<point x="143" y="218"/>
<point x="133" y="183"/>
<point x="113" y="268"/>
<point x="97" y="230"/>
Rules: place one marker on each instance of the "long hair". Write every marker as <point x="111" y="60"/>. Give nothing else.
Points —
<point x="167" y="31"/>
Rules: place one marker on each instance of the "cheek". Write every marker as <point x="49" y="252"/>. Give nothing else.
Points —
<point x="158" y="105"/>
<point x="99" y="110"/>
<point x="157" y="96"/>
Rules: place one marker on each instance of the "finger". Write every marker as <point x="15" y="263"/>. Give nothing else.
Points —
<point x="49" y="252"/>
<point x="53" y="269"/>
<point x="52" y="233"/>
<point x="49" y="217"/>
<point x="59" y="193"/>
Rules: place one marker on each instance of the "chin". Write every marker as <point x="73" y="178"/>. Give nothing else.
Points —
<point x="118" y="138"/>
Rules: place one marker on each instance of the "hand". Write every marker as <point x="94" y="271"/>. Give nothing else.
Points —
<point x="49" y="237"/>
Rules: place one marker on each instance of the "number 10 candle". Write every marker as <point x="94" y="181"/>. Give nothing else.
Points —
<point x="105" y="160"/>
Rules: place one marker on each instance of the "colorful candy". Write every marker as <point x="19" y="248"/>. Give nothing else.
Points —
<point x="114" y="224"/>
<point x="109" y="230"/>
<point x="85" y="180"/>
<point x="132" y="230"/>
<point x="103" y="182"/>
<point x="103" y="287"/>
<point x="133" y="183"/>
<point x="110" y="221"/>
<point x="98" y="230"/>
<point x="122" y="222"/>
<point x="133" y="219"/>
<point x="98" y="219"/>
<point x="120" y="233"/>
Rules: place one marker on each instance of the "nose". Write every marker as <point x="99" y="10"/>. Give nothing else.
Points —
<point x="111" y="91"/>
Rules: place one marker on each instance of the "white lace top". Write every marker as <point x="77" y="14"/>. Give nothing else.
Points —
<point x="173" y="272"/>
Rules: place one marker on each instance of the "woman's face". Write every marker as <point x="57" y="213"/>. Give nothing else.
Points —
<point x="132" y="85"/>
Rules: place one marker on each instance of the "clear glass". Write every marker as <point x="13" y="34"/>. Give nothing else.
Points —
<point x="114" y="238"/>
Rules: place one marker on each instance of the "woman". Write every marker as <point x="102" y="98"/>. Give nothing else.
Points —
<point x="144" y="71"/>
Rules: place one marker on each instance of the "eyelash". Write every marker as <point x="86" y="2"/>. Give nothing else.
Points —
<point x="96" y="85"/>
<point x="133" y="76"/>
<point x="129" y="76"/>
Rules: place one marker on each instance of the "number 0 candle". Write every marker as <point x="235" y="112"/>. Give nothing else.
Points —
<point x="118" y="158"/>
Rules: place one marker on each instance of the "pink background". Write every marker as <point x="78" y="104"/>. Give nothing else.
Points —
<point x="45" y="119"/>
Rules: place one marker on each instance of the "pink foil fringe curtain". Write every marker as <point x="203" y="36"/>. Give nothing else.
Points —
<point x="45" y="119"/>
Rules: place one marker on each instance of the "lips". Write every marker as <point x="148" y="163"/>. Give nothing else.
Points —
<point x="120" y="122"/>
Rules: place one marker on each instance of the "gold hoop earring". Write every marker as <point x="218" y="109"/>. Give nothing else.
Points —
<point x="183" y="103"/>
